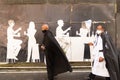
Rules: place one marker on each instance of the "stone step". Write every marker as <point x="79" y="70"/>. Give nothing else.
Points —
<point x="41" y="76"/>
<point x="37" y="71"/>
<point x="77" y="66"/>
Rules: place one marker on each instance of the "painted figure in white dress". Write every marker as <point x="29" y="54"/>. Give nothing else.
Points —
<point x="33" y="51"/>
<point x="13" y="45"/>
<point x="85" y="29"/>
<point x="84" y="33"/>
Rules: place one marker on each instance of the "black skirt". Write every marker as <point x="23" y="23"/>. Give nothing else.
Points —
<point x="86" y="51"/>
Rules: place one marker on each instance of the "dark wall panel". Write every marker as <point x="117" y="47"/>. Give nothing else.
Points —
<point x="83" y="12"/>
<point x="36" y="13"/>
<point x="118" y="6"/>
<point x="56" y="12"/>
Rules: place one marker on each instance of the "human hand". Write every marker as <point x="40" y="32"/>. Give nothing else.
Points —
<point x="43" y="47"/>
<point x="91" y="44"/>
<point x="101" y="59"/>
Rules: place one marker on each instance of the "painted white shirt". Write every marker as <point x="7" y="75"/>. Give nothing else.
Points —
<point x="83" y="32"/>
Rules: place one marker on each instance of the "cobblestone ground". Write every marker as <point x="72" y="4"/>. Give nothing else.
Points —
<point x="43" y="76"/>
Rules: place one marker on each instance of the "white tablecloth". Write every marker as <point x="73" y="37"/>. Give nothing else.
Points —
<point x="74" y="46"/>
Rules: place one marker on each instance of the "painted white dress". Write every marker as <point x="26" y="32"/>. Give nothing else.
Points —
<point x="99" y="68"/>
<point x="13" y="45"/>
<point x="33" y="49"/>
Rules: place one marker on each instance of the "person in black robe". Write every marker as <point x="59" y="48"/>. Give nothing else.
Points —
<point x="56" y="60"/>
<point x="110" y="56"/>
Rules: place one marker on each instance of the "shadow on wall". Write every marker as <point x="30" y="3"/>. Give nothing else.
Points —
<point x="22" y="56"/>
<point x="3" y="51"/>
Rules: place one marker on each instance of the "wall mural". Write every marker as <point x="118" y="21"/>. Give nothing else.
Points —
<point x="76" y="48"/>
<point x="72" y="25"/>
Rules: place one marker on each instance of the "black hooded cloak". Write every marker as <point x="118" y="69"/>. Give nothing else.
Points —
<point x="111" y="56"/>
<point x="55" y="57"/>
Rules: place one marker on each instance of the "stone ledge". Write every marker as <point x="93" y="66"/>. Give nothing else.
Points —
<point x="76" y="66"/>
